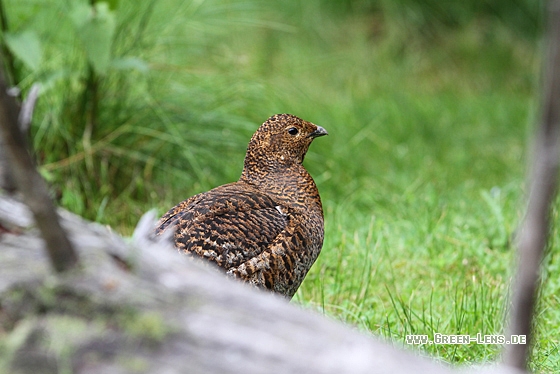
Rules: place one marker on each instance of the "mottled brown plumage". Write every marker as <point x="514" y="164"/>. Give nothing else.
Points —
<point x="267" y="228"/>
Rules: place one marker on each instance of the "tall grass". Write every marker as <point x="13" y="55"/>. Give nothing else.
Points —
<point x="428" y="108"/>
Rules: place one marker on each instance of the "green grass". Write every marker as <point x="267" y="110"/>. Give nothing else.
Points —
<point x="422" y="175"/>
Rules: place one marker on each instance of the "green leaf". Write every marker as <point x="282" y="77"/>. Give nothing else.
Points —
<point x="113" y="4"/>
<point x="26" y="47"/>
<point x="47" y="175"/>
<point x="95" y="28"/>
<point x="80" y="14"/>
<point x="130" y="63"/>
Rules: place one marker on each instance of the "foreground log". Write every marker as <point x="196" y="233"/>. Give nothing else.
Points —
<point x="143" y="308"/>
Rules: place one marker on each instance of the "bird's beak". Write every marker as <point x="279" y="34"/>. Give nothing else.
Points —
<point x="319" y="132"/>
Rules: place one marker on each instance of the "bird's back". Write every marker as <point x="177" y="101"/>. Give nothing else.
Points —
<point x="227" y="225"/>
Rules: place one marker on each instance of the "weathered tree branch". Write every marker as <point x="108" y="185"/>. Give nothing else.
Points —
<point x="27" y="108"/>
<point x="30" y="184"/>
<point x="145" y="308"/>
<point x="542" y="182"/>
<point x="7" y="182"/>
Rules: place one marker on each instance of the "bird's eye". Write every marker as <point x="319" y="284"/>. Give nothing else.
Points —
<point x="292" y="131"/>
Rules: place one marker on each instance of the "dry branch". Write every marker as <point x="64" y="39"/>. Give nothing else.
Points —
<point x="7" y="182"/>
<point x="29" y="182"/>
<point x="542" y="182"/>
<point x="27" y="108"/>
<point x="156" y="311"/>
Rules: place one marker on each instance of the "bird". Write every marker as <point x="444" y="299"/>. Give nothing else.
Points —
<point x="267" y="228"/>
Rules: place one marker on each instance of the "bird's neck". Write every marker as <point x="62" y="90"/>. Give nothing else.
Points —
<point x="291" y="185"/>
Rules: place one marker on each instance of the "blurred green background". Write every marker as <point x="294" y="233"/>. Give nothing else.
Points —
<point x="429" y="106"/>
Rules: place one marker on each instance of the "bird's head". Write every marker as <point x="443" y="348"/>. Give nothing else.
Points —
<point x="282" y="141"/>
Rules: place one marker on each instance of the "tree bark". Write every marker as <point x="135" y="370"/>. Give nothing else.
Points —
<point x="144" y="308"/>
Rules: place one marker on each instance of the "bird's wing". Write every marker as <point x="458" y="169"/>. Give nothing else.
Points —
<point x="170" y="218"/>
<point x="282" y="266"/>
<point x="228" y="225"/>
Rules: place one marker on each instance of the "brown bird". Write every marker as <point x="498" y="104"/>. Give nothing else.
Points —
<point x="267" y="228"/>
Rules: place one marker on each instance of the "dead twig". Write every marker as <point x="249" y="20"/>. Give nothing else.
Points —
<point x="7" y="182"/>
<point x="542" y="182"/>
<point x="27" y="108"/>
<point x="29" y="182"/>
